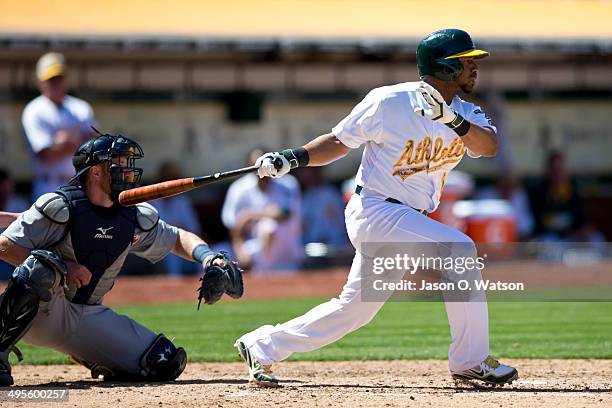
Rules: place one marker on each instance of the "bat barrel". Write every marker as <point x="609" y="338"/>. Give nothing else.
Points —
<point x="155" y="191"/>
<point x="174" y="187"/>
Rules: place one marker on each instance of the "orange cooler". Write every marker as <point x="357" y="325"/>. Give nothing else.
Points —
<point x="488" y="221"/>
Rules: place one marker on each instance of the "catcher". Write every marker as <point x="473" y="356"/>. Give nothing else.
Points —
<point x="69" y="248"/>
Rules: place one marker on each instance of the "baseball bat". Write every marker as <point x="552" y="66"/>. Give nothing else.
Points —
<point x="174" y="187"/>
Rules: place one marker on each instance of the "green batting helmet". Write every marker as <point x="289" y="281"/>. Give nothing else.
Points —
<point x="438" y="54"/>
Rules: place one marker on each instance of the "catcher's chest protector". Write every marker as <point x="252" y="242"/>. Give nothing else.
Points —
<point x="99" y="236"/>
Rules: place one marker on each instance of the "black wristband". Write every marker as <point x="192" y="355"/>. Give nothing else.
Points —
<point x="460" y="125"/>
<point x="201" y="252"/>
<point x="297" y="157"/>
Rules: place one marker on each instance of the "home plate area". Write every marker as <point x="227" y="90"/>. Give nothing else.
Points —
<point x="542" y="383"/>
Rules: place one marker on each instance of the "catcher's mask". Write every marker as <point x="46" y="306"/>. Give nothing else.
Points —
<point x="119" y="152"/>
<point x="438" y="54"/>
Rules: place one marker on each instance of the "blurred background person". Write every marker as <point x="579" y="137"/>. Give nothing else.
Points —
<point x="55" y="124"/>
<point x="509" y="188"/>
<point x="322" y="209"/>
<point x="11" y="203"/>
<point x="557" y="205"/>
<point x="177" y="210"/>
<point x="264" y="220"/>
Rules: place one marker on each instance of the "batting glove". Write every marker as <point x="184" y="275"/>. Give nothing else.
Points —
<point x="439" y="111"/>
<point x="272" y="164"/>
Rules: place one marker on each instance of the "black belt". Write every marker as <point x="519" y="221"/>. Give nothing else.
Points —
<point x="391" y="200"/>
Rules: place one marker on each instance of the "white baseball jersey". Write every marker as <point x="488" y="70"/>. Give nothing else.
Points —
<point x="41" y="119"/>
<point x="407" y="156"/>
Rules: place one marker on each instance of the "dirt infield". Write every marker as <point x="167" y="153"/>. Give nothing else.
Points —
<point x="549" y="383"/>
<point x="542" y="383"/>
<point x="161" y="289"/>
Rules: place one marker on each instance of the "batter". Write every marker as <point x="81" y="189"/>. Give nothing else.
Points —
<point x="414" y="134"/>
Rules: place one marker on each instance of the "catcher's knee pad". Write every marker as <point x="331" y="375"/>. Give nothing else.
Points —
<point x="39" y="273"/>
<point x="31" y="282"/>
<point x="162" y="361"/>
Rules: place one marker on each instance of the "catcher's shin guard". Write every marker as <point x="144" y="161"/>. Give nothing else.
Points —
<point x="31" y="282"/>
<point x="162" y="361"/>
<point x="18" y="308"/>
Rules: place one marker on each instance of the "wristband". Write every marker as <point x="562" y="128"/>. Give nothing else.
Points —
<point x="201" y="252"/>
<point x="296" y="157"/>
<point x="459" y="125"/>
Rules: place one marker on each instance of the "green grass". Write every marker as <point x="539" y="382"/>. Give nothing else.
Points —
<point x="402" y="330"/>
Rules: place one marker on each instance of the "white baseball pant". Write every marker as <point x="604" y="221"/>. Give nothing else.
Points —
<point x="369" y="218"/>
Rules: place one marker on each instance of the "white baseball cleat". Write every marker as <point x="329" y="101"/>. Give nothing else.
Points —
<point x="259" y="374"/>
<point x="490" y="371"/>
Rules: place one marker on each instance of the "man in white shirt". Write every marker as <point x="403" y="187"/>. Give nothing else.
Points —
<point x="414" y="134"/>
<point x="263" y="216"/>
<point x="55" y="124"/>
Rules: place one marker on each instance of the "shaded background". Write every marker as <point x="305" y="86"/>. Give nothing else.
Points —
<point x="203" y="82"/>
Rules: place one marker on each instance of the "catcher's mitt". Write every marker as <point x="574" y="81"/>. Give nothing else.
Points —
<point x="218" y="280"/>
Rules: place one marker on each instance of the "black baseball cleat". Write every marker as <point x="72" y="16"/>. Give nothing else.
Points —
<point x="6" y="378"/>
<point x="489" y="372"/>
